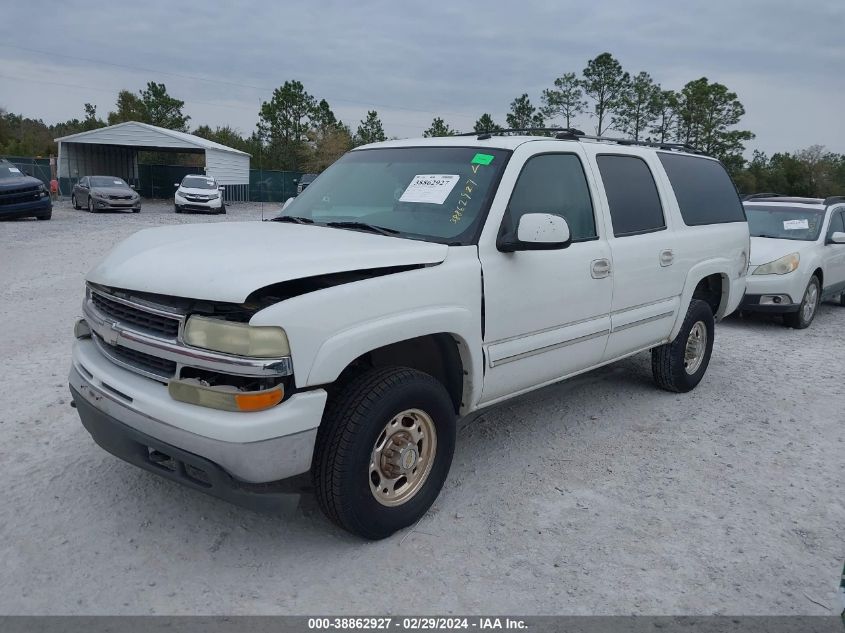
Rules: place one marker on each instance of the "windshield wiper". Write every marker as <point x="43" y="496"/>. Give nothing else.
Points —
<point x="295" y="219"/>
<point x="351" y="224"/>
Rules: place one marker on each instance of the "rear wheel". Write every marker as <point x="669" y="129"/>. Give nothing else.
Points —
<point x="680" y="365"/>
<point x="383" y="450"/>
<point x="807" y="310"/>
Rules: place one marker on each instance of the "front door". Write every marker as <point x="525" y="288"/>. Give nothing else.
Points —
<point x="546" y="312"/>
<point x="834" y="255"/>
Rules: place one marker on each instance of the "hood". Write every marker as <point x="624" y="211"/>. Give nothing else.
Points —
<point x="228" y="261"/>
<point x="113" y="191"/>
<point x="197" y="192"/>
<point x="768" y="249"/>
<point x="21" y="181"/>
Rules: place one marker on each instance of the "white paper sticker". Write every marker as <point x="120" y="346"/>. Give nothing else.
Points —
<point x="796" y="225"/>
<point x="430" y="188"/>
<point x="14" y="170"/>
<point x="117" y="182"/>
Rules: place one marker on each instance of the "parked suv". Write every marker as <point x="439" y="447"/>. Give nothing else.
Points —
<point x="304" y="181"/>
<point x="414" y="282"/>
<point x="797" y="255"/>
<point x="198" y="192"/>
<point x="22" y="196"/>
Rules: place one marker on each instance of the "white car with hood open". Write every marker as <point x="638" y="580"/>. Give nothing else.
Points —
<point x="412" y="283"/>
<point x="797" y="256"/>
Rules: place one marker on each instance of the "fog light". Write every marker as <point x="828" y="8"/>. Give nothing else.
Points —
<point x="224" y="397"/>
<point x="81" y="329"/>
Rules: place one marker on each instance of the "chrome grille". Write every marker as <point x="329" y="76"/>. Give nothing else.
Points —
<point x="146" y="363"/>
<point x="123" y="313"/>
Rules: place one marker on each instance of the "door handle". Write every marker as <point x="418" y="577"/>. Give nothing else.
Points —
<point x="667" y="257"/>
<point x="600" y="268"/>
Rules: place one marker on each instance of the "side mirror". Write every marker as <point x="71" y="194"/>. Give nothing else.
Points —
<point x="287" y="203"/>
<point x="221" y="188"/>
<point x="537" y="232"/>
<point x="176" y="184"/>
<point x="131" y="186"/>
<point x="837" y="238"/>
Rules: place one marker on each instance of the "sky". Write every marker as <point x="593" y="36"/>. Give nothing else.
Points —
<point x="411" y="61"/>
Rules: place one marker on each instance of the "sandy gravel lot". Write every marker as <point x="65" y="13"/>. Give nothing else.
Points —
<point x="600" y="495"/>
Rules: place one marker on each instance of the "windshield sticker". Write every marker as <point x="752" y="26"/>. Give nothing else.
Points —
<point x="796" y="225"/>
<point x="482" y="159"/>
<point x="117" y="182"/>
<point x="14" y="170"/>
<point x="430" y="188"/>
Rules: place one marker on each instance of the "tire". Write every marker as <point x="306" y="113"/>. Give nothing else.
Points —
<point x="136" y="210"/>
<point x="74" y="203"/>
<point x="842" y="299"/>
<point x="670" y="365"/>
<point x="222" y="209"/>
<point x="359" y="416"/>
<point x="46" y="216"/>
<point x="176" y="209"/>
<point x="90" y="205"/>
<point x="808" y="308"/>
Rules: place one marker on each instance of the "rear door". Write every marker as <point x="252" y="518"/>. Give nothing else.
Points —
<point x="647" y="283"/>
<point x="546" y="312"/>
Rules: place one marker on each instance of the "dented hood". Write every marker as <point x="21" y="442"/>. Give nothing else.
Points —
<point x="228" y="261"/>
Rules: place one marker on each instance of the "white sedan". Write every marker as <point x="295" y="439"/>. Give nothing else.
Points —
<point x="797" y="256"/>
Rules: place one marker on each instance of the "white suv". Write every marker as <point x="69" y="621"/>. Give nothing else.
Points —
<point x="797" y="255"/>
<point x="414" y="282"/>
<point x="198" y="192"/>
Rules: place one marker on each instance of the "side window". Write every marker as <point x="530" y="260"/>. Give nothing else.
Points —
<point x="631" y="194"/>
<point x="837" y="223"/>
<point x="705" y="192"/>
<point x="556" y="184"/>
<point x="84" y="182"/>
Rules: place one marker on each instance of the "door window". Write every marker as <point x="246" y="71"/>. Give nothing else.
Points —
<point x="837" y="223"/>
<point x="555" y="184"/>
<point x="631" y="194"/>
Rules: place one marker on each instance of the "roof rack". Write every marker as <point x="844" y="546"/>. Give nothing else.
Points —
<point x="833" y="200"/>
<point x="754" y="196"/>
<point x="573" y="134"/>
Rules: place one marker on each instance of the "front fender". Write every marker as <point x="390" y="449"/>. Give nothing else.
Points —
<point x="330" y="328"/>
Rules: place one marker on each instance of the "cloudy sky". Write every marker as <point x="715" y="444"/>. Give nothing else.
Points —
<point x="412" y="61"/>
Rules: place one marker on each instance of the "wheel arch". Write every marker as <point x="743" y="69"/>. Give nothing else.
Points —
<point x="709" y="281"/>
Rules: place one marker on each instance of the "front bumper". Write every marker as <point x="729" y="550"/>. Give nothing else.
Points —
<point x="185" y="204"/>
<point x="773" y="294"/>
<point x="248" y="448"/>
<point x="36" y="208"/>
<point x="116" y="205"/>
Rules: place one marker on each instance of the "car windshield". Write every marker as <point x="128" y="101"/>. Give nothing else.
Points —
<point x="784" y="222"/>
<point x="7" y="170"/>
<point x="437" y="194"/>
<point x="198" y="182"/>
<point x="107" y="181"/>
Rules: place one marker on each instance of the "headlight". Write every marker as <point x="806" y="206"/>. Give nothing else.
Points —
<point x="785" y="264"/>
<point x="43" y="191"/>
<point x="263" y="341"/>
<point x="214" y="196"/>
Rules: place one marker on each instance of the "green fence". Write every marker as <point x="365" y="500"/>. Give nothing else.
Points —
<point x="267" y="185"/>
<point x="36" y="167"/>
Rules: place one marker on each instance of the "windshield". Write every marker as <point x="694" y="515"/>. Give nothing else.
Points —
<point x="198" y="182"/>
<point x="437" y="194"/>
<point x="7" y="170"/>
<point x="107" y="181"/>
<point x="784" y="222"/>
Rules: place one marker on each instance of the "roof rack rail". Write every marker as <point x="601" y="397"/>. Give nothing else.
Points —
<point x="754" y="196"/>
<point x="573" y="134"/>
<point x="833" y="200"/>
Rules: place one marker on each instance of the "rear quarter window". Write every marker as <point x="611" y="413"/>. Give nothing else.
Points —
<point x="705" y="192"/>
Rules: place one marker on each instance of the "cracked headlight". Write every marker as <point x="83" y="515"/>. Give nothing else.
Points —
<point x="785" y="264"/>
<point x="240" y="339"/>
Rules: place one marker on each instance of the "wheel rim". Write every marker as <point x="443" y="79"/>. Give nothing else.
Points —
<point x="696" y="347"/>
<point x="811" y="299"/>
<point x="402" y="457"/>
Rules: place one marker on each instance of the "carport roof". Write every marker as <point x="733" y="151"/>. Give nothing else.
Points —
<point x="137" y="134"/>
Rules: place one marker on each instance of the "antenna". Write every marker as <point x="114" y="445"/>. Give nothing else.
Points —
<point x="260" y="171"/>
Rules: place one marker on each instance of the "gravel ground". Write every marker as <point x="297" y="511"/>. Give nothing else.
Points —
<point x="601" y="495"/>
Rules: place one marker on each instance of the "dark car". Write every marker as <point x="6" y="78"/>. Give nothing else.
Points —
<point x="104" y="193"/>
<point x="22" y="196"/>
<point x="304" y="181"/>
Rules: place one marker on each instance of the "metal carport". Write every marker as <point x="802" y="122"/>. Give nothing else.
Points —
<point x="113" y="151"/>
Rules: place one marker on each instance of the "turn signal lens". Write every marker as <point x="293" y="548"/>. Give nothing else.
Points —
<point x="223" y="397"/>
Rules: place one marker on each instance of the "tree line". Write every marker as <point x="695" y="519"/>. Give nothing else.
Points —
<point x="298" y="131"/>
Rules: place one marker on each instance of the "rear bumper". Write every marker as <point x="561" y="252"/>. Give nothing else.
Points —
<point x="27" y="209"/>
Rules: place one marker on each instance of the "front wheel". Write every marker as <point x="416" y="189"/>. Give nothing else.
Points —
<point x="807" y="310"/>
<point x="90" y="205"/>
<point x="74" y="203"/>
<point x="680" y="365"/>
<point x="383" y="450"/>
